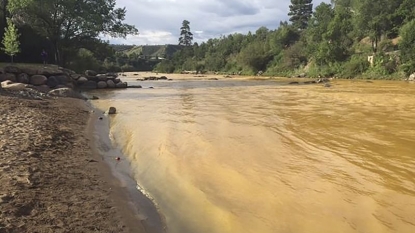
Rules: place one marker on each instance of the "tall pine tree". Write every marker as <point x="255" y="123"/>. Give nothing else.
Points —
<point x="300" y="13"/>
<point x="186" y="36"/>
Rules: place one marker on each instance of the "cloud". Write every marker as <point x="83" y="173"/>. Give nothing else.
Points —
<point x="158" y="21"/>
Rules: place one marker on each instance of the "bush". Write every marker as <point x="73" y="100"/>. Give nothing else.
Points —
<point x="356" y="66"/>
<point x="166" y="66"/>
<point x="85" y="60"/>
<point x="408" y="68"/>
<point x="127" y="68"/>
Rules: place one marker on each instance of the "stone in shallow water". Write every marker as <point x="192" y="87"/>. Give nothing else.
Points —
<point x="112" y="110"/>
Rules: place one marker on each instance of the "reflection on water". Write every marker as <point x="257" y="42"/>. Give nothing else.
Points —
<point x="258" y="156"/>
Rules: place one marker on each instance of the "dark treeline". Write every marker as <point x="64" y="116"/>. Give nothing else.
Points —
<point x="334" y="39"/>
<point x="69" y="32"/>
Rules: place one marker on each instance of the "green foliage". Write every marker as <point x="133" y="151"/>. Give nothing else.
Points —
<point x="66" y="24"/>
<point x="165" y="66"/>
<point x="406" y="44"/>
<point x="256" y="56"/>
<point x="11" y="40"/>
<point x="355" y="66"/>
<point x="186" y="37"/>
<point x="85" y="60"/>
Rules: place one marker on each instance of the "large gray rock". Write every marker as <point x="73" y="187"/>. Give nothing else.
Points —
<point x="90" y="73"/>
<point x="9" y="85"/>
<point x="12" y="69"/>
<point x="66" y="92"/>
<point x="62" y="92"/>
<point x="117" y="80"/>
<point x="102" y="84"/>
<point x="8" y="76"/>
<point x="38" y="80"/>
<point x="62" y="79"/>
<point x="102" y="78"/>
<point x="89" y="85"/>
<point x="110" y="84"/>
<point x="82" y="80"/>
<point x="114" y="75"/>
<point x="121" y="85"/>
<point x="411" y="77"/>
<point x="43" y="88"/>
<point x="52" y="82"/>
<point x="75" y="76"/>
<point x="23" y="78"/>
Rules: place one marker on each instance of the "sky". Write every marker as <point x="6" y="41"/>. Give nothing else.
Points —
<point x="159" y="21"/>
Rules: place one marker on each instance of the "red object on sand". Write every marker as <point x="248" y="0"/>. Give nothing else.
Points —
<point x="118" y="158"/>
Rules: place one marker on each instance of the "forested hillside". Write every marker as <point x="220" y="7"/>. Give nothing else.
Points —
<point x="336" y="39"/>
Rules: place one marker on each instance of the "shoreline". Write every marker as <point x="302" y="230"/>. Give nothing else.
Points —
<point x="140" y="208"/>
<point x="52" y="176"/>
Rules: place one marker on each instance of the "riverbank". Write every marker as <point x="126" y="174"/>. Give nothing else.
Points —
<point x="51" y="180"/>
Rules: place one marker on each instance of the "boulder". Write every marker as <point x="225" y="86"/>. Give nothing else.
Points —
<point x="75" y="76"/>
<point x="162" y="78"/>
<point x="8" y="76"/>
<point x="89" y="85"/>
<point x="90" y="73"/>
<point x="62" y="79"/>
<point x="9" y="85"/>
<point x="94" y="97"/>
<point x="66" y="92"/>
<point x="43" y="88"/>
<point x="102" y="78"/>
<point x="134" y="86"/>
<point x="117" y="80"/>
<point x="12" y="69"/>
<point x="52" y="82"/>
<point x="38" y="80"/>
<point x="121" y="85"/>
<point x="110" y="84"/>
<point x="61" y="92"/>
<point x="82" y="80"/>
<point x="114" y="75"/>
<point x="29" y="71"/>
<point x="102" y="84"/>
<point x="23" y="78"/>
<point x="112" y="110"/>
<point x="50" y="72"/>
<point x="70" y="85"/>
<point x="411" y="77"/>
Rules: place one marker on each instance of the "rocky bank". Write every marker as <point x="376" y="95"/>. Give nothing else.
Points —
<point x="48" y="78"/>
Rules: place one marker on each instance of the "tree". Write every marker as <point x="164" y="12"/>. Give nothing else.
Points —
<point x="186" y="37"/>
<point x="67" y="23"/>
<point x="300" y="13"/>
<point x="11" y="40"/>
<point x="318" y="25"/>
<point x="406" y="46"/>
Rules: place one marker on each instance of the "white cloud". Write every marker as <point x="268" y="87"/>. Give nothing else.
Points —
<point x="158" y="21"/>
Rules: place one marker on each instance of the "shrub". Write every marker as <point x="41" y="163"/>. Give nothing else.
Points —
<point x="355" y="67"/>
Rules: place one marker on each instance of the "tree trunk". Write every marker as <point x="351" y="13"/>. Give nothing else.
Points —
<point x="12" y="58"/>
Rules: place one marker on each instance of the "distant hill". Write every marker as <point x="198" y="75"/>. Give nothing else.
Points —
<point x="148" y="51"/>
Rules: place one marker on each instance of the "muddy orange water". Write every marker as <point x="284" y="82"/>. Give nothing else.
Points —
<point x="233" y="156"/>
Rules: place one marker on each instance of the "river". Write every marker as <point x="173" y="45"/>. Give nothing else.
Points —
<point x="233" y="156"/>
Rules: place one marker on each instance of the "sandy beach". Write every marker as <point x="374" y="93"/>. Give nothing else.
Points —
<point x="50" y="177"/>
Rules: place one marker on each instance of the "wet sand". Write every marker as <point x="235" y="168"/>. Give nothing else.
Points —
<point x="51" y="178"/>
